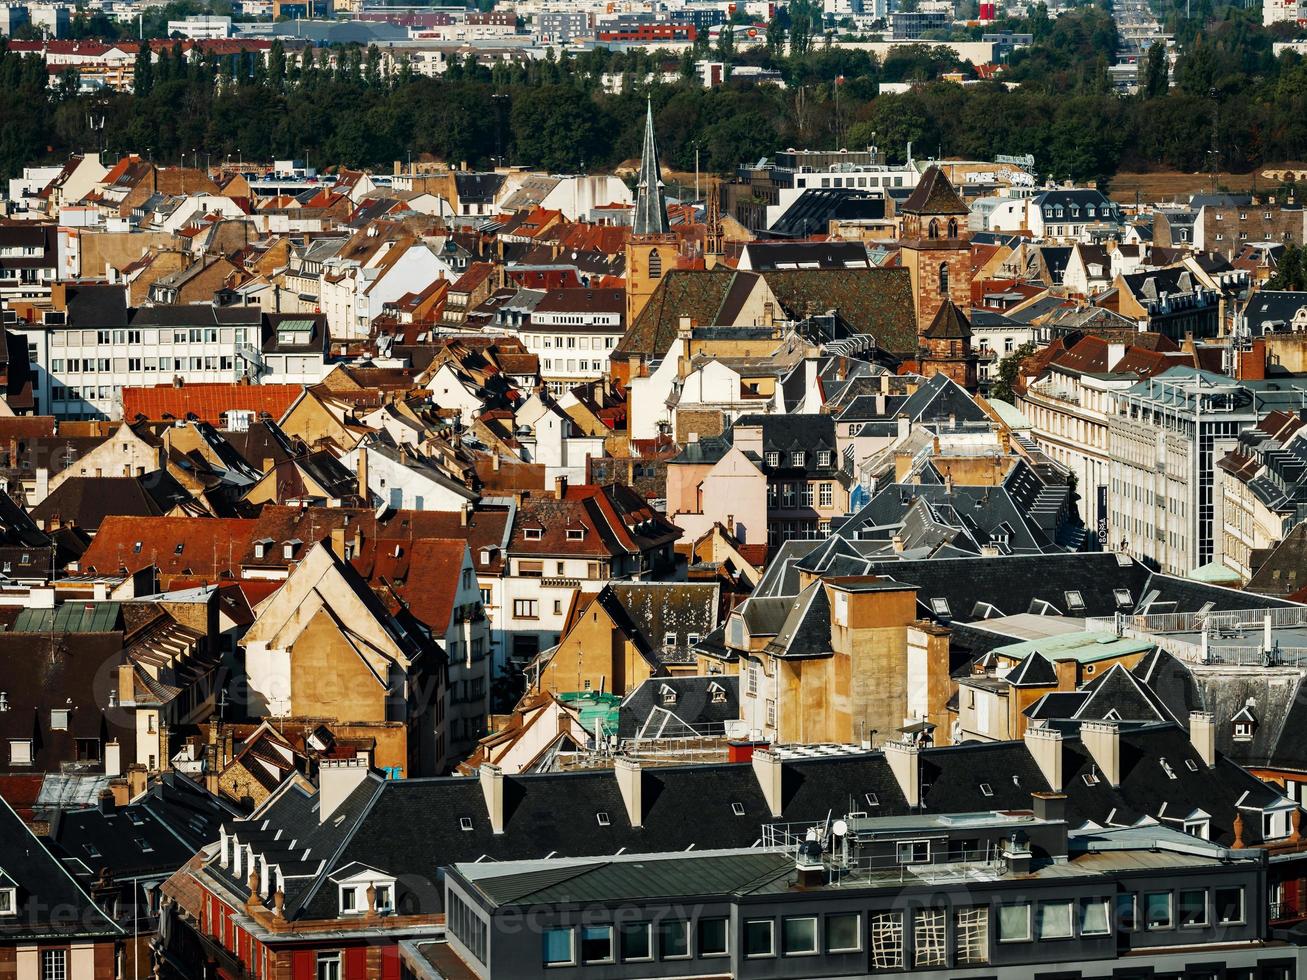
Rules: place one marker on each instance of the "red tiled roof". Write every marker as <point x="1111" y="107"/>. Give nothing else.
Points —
<point x="210" y="547"/>
<point x="207" y="401"/>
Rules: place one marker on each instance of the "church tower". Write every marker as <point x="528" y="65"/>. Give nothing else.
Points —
<point x="935" y="247"/>
<point x="946" y="348"/>
<point x="652" y="250"/>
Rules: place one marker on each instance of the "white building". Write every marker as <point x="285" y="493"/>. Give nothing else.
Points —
<point x="574" y="332"/>
<point x="353" y="294"/>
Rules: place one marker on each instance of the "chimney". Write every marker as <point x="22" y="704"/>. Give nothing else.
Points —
<point x="494" y="462"/>
<point x="1067" y="671"/>
<point x="464" y="515"/>
<point x="1048" y="806"/>
<point x="1103" y="741"/>
<point x="492" y="788"/>
<point x="898" y="544"/>
<point x="337" y="778"/>
<point x="684" y="328"/>
<point x="1202" y="732"/>
<point x="904" y="760"/>
<point x="105" y="801"/>
<point x="113" y="759"/>
<point x="630" y="781"/>
<point x="137" y="781"/>
<point x="363" y="474"/>
<point x="767" y="768"/>
<point x="560" y="487"/>
<point x="1045" y="747"/>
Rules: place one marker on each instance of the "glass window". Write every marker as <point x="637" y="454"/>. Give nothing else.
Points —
<point x="843" y="932"/>
<point x="971" y="935"/>
<point x="596" y="944"/>
<point x="1093" y="917"/>
<point x="799" y="935"/>
<point x="758" y="938"/>
<point x="1192" y="907"/>
<point x="1126" y="913"/>
<point x="1229" y="906"/>
<point x="1157" y="910"/>
<point x="886" y="939"/>
<point x="712" y="937"/>
<point x="928" y="937"/>
<point x="557" y="947"/>
<point x="1013" y="923"/>
<point x="54" y="964"/>
<point x="328" y="966"/>
<point x="635" y="941"/>
<point x="673" y="939"/>
<point x="1054" y="920"/>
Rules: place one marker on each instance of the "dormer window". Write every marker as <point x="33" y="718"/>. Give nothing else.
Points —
<point x="1075" y="601"/>
<point x="532" y="533"/>
<point x="1123" y="599"/>
<point x="798" y="458"/>
<point x="289" y="548"/>
<point x="669" y="641"/>
<point x="717" y="693"/>
<point x="669" y="695"/>
<point x="261" y="548"/>
<point x="1243" y="731"/>
<point x="576" y="534"/>
<point x="772" y="459"/>
<point x="8" y="901"/>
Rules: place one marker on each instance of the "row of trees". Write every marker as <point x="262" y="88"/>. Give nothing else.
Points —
<point x="357" y="108"/>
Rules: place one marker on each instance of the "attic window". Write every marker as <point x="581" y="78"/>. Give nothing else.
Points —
<point x="669" y="641"/>
<point x="718" y="693"/>
<point x="669" y="695"/>
<point x="576" y="534"/>
<point x="986" y="790"/>
<point x="135" y="819"/>
<point x="59" y="720"/>
<point x="136" y="548"/>
<point x="1075" y="601"/>
<point x="940" y="607"/>
<point x="1090" y="778"/>
<point x="798" y="458"/>
<point x="1122" y="597"/>
<point x="181" y="546"/>
<point x="531" y="533"/>
<point x="691" y="639"/>
<point x="465" y="823"/>
<point x="603" y="819"/>
<point x="91" y="850"/>
<point x="261" y="547"/>
<point x="1243" y="731"/>
<point x="737" y="809"/>
<point x="872" y="799"/>
<point x="143" y="845"/>
<point x="8" y="901"/>
<point x="1191" y="765"/>
<point x="772" y="459"/>
<point x="1166" y="768"/>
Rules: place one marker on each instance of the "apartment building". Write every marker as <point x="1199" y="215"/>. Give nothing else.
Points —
<point x="1164" y="439"/>
<point x="573" y="332"/>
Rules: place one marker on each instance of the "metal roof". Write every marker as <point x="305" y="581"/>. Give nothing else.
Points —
<point x="71" y="617"/>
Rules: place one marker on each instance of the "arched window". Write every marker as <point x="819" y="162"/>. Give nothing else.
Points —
<point x="932" y="231"/>
<point x="943" y="278"/>
<point x="952" y="227"/>
<point x="655" y="265"/>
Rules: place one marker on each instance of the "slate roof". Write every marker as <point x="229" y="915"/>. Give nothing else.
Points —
<point x="950" y="323"/>
<point x="695" y="708"/>
<point x="934" y="194"/>
<point x="88" y="500"/>
<point x="50" y="903"/>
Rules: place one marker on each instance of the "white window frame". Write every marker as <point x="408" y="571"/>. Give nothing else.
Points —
<point x="1030" y="930"/>
<point x="23" y="757"/>
<point x="1070" y="919"/>
<point x="771" y="932"/>
<point x="912" y="859"/>
<point x="572" y="951"/>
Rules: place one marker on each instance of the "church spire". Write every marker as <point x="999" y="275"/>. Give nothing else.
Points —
<point x="650" y="205"/>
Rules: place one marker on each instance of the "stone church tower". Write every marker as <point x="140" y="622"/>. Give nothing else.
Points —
<point x="936" y="247"/>
<point x="652" y="251"/>
<point x="946" y="348"/>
